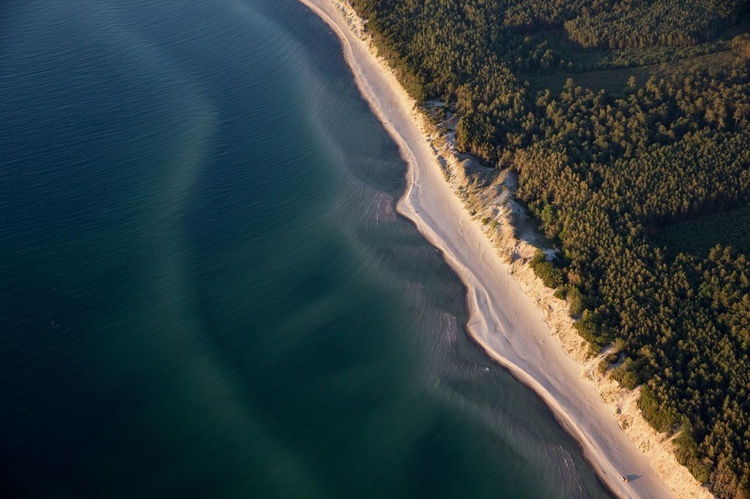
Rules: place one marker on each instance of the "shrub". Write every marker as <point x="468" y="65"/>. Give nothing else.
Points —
<point x="546" y="271"/>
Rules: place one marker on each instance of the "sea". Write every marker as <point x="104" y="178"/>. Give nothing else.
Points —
<point x="205" y="288"/>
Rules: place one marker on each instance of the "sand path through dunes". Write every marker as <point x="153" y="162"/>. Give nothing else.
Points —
<point x="504" y="320"/>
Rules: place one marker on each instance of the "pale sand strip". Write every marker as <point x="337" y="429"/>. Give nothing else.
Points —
<point x="504" y="320"/>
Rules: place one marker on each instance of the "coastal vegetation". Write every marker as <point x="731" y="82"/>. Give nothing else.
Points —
<point x="631" y="147"/>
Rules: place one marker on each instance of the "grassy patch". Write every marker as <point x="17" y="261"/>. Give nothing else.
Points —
<point x="698" y="236"/>
<point x="614" y="81"/>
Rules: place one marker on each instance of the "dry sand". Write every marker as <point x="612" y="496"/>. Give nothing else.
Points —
<point x="512" y="316"/>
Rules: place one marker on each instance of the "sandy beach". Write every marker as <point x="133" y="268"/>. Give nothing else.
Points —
<point x="507" y="322"/>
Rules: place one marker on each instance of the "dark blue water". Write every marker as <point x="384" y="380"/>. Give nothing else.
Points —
<point x="204" y="289"/>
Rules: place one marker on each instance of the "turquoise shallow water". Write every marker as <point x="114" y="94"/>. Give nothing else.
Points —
<point x="204" y="288"/>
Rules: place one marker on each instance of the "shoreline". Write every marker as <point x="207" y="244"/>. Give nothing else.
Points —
<point x="511" y="318"/>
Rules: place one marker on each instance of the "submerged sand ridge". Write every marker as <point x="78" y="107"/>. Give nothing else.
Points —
<point x="509" y="309"/>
